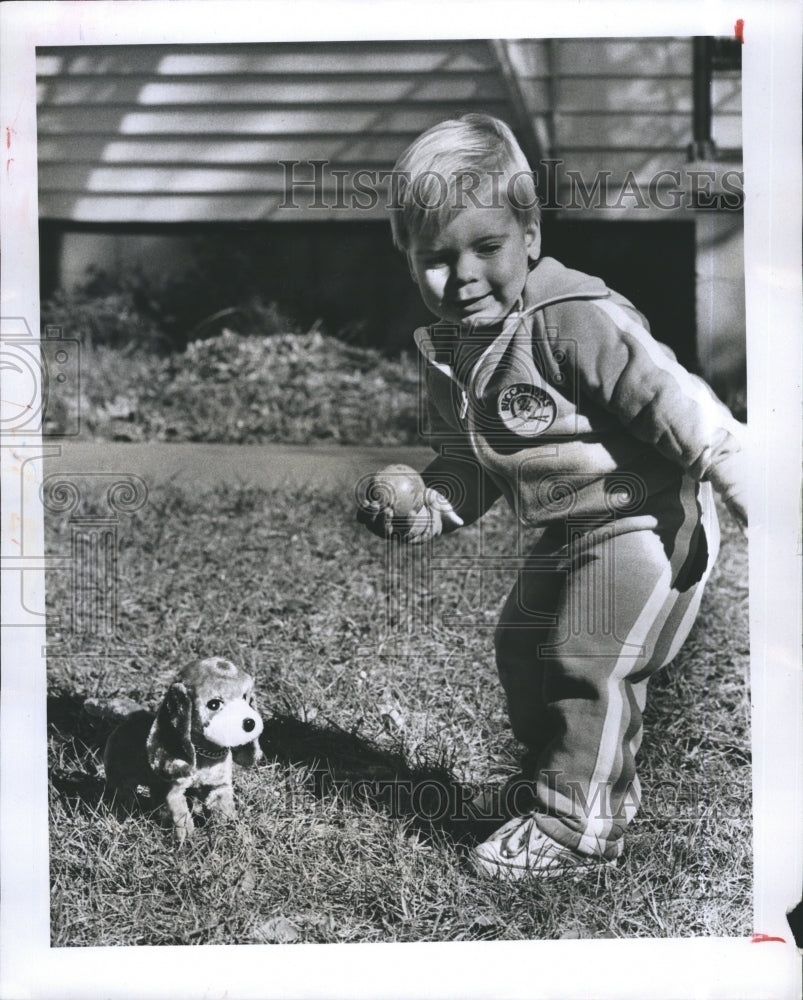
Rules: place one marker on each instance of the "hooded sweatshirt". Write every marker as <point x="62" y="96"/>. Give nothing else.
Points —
<point x="569" y="407"/>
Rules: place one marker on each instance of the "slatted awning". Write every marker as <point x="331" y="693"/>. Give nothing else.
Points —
<point x="170" y="134"/>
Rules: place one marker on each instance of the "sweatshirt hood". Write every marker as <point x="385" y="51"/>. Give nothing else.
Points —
<point x="477" y="353"/>
<point x="549" y="281"/>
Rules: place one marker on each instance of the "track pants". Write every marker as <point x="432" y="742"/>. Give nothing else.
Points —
<point x="575" y="649"/>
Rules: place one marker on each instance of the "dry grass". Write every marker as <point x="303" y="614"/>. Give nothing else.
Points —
<point x="286" y="584"/>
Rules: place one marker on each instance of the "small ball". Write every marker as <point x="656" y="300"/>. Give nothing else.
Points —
<point x="397" y="486"/>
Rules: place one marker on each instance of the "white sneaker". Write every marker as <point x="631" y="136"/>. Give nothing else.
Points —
<point x="519" y="849"/>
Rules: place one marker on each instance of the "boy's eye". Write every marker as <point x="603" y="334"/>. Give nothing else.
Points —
<point x="487" y="249"/>
<point x="214" y="704"/>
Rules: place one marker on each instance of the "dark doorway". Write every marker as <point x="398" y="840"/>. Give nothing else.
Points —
<point x="651" y="263"/>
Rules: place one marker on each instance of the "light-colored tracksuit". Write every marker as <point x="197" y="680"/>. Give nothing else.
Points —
<point x="594" y="434"/>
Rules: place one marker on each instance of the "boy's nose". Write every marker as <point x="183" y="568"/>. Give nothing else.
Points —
<point x="465" y="269"/>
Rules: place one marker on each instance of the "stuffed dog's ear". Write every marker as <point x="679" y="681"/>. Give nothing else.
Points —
<point x="247" y="754"/>
<point x="170" y="750"/>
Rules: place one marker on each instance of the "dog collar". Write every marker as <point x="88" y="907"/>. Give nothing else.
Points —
<point x="217" y="754"/>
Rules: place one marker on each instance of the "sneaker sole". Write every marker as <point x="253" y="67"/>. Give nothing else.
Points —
<point x="510" y="873"/>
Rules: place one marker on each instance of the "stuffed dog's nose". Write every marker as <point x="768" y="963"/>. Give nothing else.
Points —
<point x="248" y="724"/>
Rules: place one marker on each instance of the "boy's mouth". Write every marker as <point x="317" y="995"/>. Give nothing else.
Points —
<point x="474" y="305"/>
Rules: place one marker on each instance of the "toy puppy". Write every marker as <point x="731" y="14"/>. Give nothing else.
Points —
<point x="206" y="720"/>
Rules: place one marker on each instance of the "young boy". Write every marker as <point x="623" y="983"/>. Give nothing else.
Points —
<point x="545" y="387"/>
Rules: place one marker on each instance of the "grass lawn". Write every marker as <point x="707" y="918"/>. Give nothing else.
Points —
<point x="380" y="696"/>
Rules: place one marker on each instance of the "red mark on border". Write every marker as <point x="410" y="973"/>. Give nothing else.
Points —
<point x="739" y="31"/>
<point x="761" y="938"/>
<point x="9" y="131"/>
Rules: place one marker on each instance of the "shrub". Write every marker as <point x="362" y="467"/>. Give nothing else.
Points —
<point x="114" y="319"/>
<point x="166" y="312"/>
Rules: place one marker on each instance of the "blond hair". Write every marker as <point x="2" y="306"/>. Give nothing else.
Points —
<point x="471" y="160"/>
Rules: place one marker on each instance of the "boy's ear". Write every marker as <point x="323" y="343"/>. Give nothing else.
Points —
<point x="532" y="240"/>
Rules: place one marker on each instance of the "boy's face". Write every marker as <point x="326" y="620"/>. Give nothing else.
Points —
<point x="474" y="269"/>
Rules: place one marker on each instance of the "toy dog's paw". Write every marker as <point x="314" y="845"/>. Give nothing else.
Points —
<point x="183" y="830"/>
<point x="222" y="816"/>
<point x="220" y="803"/>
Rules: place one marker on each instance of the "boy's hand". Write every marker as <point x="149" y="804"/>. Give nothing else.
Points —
<point x="394" y="503"/>
<point x="729" y="478"/>
<point x="435" y="516"/>
<point x="737" y="509"/>
<point x="432" y="517"/>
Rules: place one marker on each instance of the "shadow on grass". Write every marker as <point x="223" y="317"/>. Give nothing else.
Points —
<point x="80" y="739"/>
<point x="339" y="763"/>
<point x="425" y="794"/>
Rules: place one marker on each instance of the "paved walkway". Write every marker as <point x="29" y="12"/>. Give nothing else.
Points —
<point x="205" y="465"/>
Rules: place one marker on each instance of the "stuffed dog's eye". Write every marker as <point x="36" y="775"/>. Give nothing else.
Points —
<point x="214" y="704"/>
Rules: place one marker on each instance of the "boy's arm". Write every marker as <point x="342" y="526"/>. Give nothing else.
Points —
<point x="623" y="368"/>
<point x="456" y="489"/>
